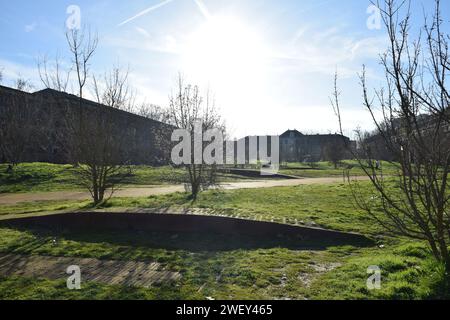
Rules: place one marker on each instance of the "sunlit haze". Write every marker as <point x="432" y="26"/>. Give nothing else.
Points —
<point x="270" y="64"/>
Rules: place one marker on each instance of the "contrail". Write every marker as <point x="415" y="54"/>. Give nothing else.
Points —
<point x="159" y="5"/>
<point x="203" y="9"/>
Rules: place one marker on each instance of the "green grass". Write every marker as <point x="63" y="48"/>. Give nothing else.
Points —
<point x="329" y="206"/>
<point x="226" y="267"/>
<point x="42" y="206"/>
<point x="20" y="288"/>
<point x="34" y="177"/>
<point x="327" y="169"/>
<point x="42" y="177"/>
<point x="407" y="272"/>
<point x="28" y="177"/>
<point x="214" y="263"/>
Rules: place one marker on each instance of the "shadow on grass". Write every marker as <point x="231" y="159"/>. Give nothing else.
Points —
<point x="187" y="241"/>
<point x="25" y="178"/>
<point x="29" y="177"/>
<point x="181" y="232"/>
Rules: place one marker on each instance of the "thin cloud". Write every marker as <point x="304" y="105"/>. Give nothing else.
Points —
<point x="320" y="51"/>
<point x="144" y="12"/>
<point x="143" y="32"/>
<point x="159" y="43"/>
<point x="203" y="9"/>
<point x="13" y="70"/>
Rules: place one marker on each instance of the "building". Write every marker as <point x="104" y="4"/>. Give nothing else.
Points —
<point x="298" y="147"/>
<point x="35" y="126"/>
<point x="430" y="129"/>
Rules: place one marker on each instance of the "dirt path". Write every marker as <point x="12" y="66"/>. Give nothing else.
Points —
<point x="128" y="273"/>
<point x="14" y="198"/>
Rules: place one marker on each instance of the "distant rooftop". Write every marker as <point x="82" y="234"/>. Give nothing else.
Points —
<point x="290" y="133"/>
<point x="72" y="97"/>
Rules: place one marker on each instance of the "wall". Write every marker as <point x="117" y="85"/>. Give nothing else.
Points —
<point x="52" y="113"/>
<point x="308" y="147"/>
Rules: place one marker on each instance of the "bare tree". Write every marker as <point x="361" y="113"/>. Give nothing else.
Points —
<point x="155" y="112"/>
<point x="188" y="108"/>
<point x="114" y="91"/>
<point x="334" y="100"/>
<point x="82" y="44"/>
<point x="23" y="84"/>
<point x="98" y="148"/>
<point x="334" y="152"/>
<point x="57" y="74"/>
<point x="53" y="74"/>
<point x="101" y="154"/>
<point x="92" y="131"/>
<point x="414" y="126"/>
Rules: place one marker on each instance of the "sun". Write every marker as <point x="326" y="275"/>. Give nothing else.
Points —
<point x="227" y="54"/>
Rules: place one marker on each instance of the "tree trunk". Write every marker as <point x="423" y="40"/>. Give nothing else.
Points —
<point x="195" y="190"/>
<point x="101" y="194"/>
<point x="434" y="248"/>
<point x="95" y="191"/>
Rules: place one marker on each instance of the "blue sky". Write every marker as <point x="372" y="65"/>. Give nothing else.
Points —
<point x="270" y="63"/>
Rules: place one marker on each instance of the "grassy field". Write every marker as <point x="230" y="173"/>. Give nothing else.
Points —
<point x="225" y="267"/>
<point x="329" y="206"/>
<point x="327" y="169"/>
<point x="34" y="177"/>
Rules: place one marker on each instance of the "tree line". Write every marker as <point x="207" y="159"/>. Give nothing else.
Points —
<point x="97" y="146"/>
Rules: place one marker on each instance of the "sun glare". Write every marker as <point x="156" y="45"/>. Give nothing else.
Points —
<point x="227" y="54"/>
